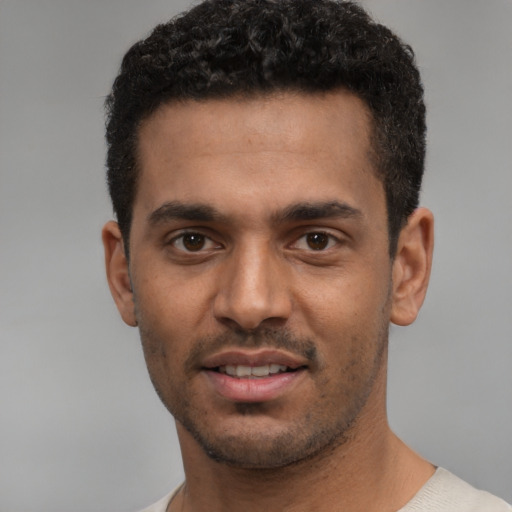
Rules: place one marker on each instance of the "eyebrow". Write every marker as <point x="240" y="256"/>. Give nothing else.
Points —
<point x="175" y="210"/>
<point x="304" y="211"/>
<point x="317" y="210"/>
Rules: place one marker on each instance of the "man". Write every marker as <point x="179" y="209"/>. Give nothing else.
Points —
<point x="265" y="159"/>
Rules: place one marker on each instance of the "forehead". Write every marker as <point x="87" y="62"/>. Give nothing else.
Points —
<point x="290" y="120"/>
<point x="258" y="152"/>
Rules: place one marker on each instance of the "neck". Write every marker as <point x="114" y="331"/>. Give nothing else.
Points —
<point x="372" y="470"/>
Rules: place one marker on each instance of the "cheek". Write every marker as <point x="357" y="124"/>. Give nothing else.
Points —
<point x="180" y="295"/>
<point x="168" y="307"/>
<point x="349" y="321"/>
<point x="160" y="321"/>
<point x="346" y="303"/>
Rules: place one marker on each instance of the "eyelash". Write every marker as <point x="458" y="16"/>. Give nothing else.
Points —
<point x="322" y="236"/>
<point x="331" y="240"/>
<point x="180" y="239"/>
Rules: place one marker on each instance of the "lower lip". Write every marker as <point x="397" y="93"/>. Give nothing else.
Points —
<point x="260" y="389"/>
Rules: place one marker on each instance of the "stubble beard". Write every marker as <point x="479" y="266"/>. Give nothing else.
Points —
<point x="321" y="430"/>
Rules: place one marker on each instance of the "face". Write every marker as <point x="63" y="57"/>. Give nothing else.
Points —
<point x="260" y="272"/>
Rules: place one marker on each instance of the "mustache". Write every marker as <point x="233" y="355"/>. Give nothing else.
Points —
<point x="269" y="338"/>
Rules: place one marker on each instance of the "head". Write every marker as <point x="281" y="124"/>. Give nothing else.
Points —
<point x="248" y="48"/>
<point x="264" y="163"/>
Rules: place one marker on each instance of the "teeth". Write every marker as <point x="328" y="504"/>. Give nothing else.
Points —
<point x="276" y="368"/>
<point x="252" y="371"/>
<point x="243" y="371"/>
<point x="260" y="371"/>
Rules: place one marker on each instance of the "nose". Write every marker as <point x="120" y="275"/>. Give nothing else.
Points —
<point x="253" y="289"/>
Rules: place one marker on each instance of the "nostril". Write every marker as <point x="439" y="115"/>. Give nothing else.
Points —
<point x="247" y="329"/>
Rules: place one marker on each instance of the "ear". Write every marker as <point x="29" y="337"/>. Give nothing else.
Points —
<point x="411" y="266"/>
<point x="118" y="275"/>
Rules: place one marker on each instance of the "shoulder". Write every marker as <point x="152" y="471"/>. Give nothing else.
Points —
<point x="445" y="492"/>
<point x="161" y="505"/>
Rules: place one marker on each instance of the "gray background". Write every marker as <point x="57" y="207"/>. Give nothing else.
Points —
<point x="80" y="427"/>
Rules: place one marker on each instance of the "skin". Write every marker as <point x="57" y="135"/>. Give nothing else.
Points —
<point x="260" y="225"/>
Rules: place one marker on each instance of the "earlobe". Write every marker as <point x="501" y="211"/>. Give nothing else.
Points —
<point x="411" y="267"/>
<point x="118" y="275"/>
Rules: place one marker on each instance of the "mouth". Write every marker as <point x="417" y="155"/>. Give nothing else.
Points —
<point x="254" y="372"/>
<point x="254" y="365"/>
<point x="253" y="377"/>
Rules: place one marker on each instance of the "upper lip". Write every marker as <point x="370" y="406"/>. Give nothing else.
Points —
<point x="235" y="357"/>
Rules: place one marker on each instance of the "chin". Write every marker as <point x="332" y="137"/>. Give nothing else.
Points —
<point x="267" y="446"/>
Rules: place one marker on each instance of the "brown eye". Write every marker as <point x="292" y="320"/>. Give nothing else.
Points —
<point x="193" y="241"/>
<point x="317" y="241"/>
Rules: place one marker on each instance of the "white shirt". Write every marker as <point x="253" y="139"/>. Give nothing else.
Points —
<point x="443" y="492"/>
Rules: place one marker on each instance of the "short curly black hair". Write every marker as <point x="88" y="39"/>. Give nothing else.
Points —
<point x="222" y="48"/>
